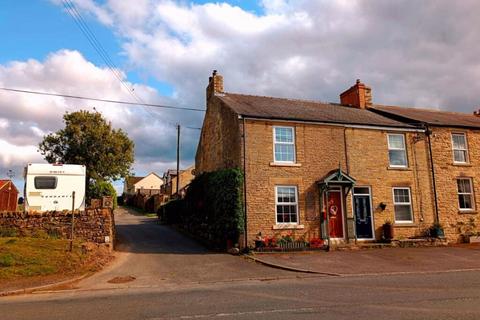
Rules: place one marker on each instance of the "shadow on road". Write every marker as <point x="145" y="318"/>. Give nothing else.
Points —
<point x="138" y="234"/>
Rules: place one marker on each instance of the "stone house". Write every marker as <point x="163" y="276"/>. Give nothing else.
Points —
<point x="455" y="163"/>
<point x="171" y="179"/>
<point x="337" y="171"/>
<point x="150" y="184"/>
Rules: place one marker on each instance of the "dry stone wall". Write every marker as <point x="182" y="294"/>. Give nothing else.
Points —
<point x="93" y="225"/>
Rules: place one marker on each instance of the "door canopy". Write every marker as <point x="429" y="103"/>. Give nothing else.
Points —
<point x="336" y="178"/>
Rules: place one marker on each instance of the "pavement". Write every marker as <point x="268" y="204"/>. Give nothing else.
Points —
<point x="378" y="261"/>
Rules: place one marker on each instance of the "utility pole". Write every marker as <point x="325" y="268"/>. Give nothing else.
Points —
<point x="10" y="174"/>
<point x="178" y="159"/>
<point x="73" y="221"/>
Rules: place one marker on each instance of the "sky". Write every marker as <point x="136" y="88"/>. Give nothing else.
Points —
<point x="411" y="53"/>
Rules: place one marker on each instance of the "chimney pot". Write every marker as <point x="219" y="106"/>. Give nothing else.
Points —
<point x="215" y="84"/>
<point x="358" y="96"/>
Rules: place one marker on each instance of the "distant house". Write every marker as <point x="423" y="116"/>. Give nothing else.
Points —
<point x="170" y="177"/>
<point x="8" y="196"/>
<point x="150" y="184"/>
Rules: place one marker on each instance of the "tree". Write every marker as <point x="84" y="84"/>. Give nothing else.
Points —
<point x="102" y="188"/>
<point x="88" y="139"/>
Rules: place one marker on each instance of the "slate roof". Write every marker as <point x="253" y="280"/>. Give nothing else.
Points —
<point x="430" y="116"/>
<point x="304" y="110"/>
<point x="132" y="180"/>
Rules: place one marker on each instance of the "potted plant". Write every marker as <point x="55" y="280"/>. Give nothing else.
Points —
<point x="388" y="233"/>
<point x="436" y="230"/>
<point x="259" y="242"/>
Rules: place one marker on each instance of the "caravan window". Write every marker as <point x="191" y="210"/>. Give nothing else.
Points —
<point x="45" y="182"/>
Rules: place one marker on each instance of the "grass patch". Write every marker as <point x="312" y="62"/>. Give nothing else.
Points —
<point x="7" y="232"/>
<point x="40" y="256"/>
<point x="142" y="212"/>
<point x="150" y="215"/>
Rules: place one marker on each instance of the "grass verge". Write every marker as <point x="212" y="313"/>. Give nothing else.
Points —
<point x="31" y="261"/>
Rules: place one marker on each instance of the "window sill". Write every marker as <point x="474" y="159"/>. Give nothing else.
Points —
<point x="288" y="226"/>
<point x="405" y="225"/>
<point x="280" y="164"/>
<point x="400" y="168"/>
<point x="467" y="211"/>
<point x="460" y="164"/>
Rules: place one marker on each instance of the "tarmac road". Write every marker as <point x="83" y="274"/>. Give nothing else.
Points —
<point x="436" y="296"/>
<point x="157" y="255"/>
<point x="175" y="278"/>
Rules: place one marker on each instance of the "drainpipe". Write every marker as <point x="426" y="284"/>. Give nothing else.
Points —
<point x="428" y="132"/>
<point x="345" y="149"/>
<point x="244" y="136"/>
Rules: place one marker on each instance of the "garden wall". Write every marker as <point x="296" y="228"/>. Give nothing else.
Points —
<point x="93" y="225"/>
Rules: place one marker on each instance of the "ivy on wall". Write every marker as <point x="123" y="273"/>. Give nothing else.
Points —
<point x="212" y="208"/>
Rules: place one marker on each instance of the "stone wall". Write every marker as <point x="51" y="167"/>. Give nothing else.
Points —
<point x="220" y="141"/>
<point x="93" y="225"/>
<point x="320" y="149"/>
<point x="446" y="174"/>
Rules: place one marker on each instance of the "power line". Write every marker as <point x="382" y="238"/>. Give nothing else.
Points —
<point x="102" y="100"/>
<point x="96" y="44"/>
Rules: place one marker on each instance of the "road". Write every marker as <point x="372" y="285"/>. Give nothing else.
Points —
<point x="177" y="279"/>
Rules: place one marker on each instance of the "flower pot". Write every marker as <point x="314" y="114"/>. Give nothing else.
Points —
<point x="388" y="233"/>
<point x="259" y="244"/>
<point x="437" y="232"/>
<point x="474" y="239"/>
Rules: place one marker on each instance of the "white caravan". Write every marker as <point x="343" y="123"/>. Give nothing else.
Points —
<point x="49" y="187"/>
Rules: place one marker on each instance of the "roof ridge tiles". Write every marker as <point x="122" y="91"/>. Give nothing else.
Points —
<point x="423" y="109"/>
<point x="288" y="99"/>
<point x="305" y="110"/>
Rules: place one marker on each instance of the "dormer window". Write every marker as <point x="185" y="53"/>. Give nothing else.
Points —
<point x="284" y="144"/>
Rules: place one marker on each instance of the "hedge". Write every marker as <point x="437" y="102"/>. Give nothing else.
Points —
<point x="212" y="208"/>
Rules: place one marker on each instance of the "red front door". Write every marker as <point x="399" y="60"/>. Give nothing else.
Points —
<point x="335" y="214"/>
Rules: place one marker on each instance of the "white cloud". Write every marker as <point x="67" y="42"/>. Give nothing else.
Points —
<point x="26" y="118"/>
<point x="411" y="53"/>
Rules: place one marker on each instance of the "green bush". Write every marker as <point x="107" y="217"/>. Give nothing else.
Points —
<point x="6" y="260"/>
<point x="172" y="212"/>
<point x="7" y="232"/>
<point x="99" y="189"/>
<point x="212" y="208"/>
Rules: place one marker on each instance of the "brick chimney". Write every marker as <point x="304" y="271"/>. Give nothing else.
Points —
<point x="358" y="96"/>
<point x="215" y="84"/>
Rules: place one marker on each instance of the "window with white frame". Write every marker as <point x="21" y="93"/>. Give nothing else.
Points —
<point x="465" y="193"/>
<point x="286" y="204"/>
<point x="284" y="144"/>
<point x="402" y="205"/>
<point x="396" y="150"/>
<point x="459" y="146"/>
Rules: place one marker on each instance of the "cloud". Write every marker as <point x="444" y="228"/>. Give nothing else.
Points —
<point x="411" y="53"/>
<point x="25" y="118"/>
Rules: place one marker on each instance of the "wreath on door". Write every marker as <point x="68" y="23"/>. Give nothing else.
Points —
<point x="333" y="211"/>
